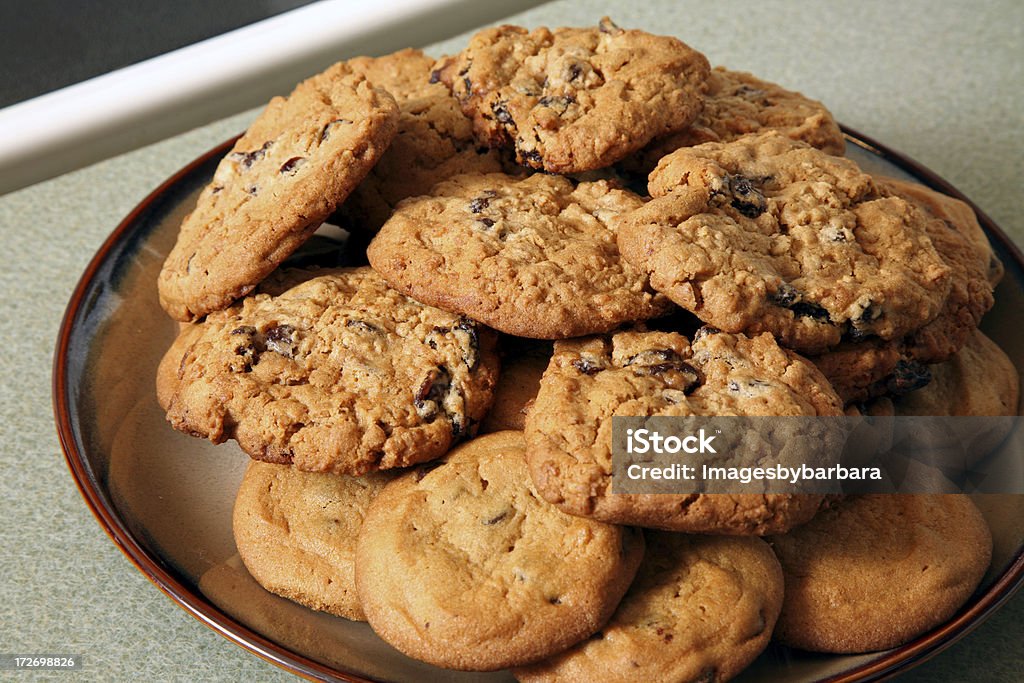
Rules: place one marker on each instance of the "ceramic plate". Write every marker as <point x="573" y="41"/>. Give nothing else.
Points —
<point x="166" y="498"/>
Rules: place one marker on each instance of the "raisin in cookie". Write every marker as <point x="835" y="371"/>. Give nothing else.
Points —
<point x="738" y="103"/>
<point x="296" y="533"/>
<point x="337" y="374"/>
<point x="434" y="140"/>
<point x="769" y="234"/>
<point x="463" y="566"/>
<point x="700" y="609"/>
<point x="298" y="160"/>
<point x="573" y="99"/>
<point x="920" y="557"/>
<point x="534" y="257"/>
<point x="569" y="427"/>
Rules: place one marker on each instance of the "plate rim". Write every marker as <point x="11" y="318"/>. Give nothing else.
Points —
<point x="193" y="602"/>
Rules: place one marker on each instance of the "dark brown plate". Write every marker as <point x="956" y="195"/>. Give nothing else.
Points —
<point x="165" y="498"/>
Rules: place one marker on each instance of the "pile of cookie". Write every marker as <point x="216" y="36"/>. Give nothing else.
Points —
<point x="549" y="229"/>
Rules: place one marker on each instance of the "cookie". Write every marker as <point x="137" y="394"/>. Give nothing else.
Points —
<point x="569" y="427"/>
<point x="877" y="571"/>
<point x="575" y="99"/>
<point x="700" y="609"/>
<point x="337" y="374"/>
<point x="979" y="380"/>
<point x="296" y="533"/>
<point x="434" y="140"/>
<point x="768" y="234"/>
<point x="299" y="159"/>
<point x="738" y="103"/>
<point x="533" y="257"/>
<point x="958" y="215"/>
<point x="463" y="566"/>
<point x="523" y="362"/>
<point x="860" y="371"/>
<point x="970" y="294"/>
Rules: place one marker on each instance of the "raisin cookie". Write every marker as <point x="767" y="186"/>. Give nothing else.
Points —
<point x="575" y="99"/>
<point x="700" y="609"/>
<point x="463" y="566"/>
<point x="920" y="557"/>
<point x="337" y="374"/>
<point x="738" y="103"/>
<point x="533" y="257"/>
<point x="299" y="159"/>
<point x="769" y="234"/>
<point x="434" y="140"/>
<point x="569" y="427"/>
<point x="296" y="533"/>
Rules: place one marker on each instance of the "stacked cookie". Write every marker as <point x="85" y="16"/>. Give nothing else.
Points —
<point x="467" y="513"/>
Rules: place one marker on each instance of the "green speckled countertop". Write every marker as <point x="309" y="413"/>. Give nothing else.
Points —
<point x="943" y="82"/>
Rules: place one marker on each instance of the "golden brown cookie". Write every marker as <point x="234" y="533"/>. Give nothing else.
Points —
<point x="338" y="374"/>
<point x="738" y="103"/>
<point x="533" y="257"/>
<point x="299" y="159"/>
<point x="700" y="609"/>
<point x="463" y="566"/>
<point x="569" y="426"/>
<point x="768" y="234"/>
<point x="434" y="140"/>
<point x="874" y="572"/>
<point x="575" y="99"/>
<point x="296" y="533"/>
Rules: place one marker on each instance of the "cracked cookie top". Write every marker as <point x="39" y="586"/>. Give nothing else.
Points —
<point x="535" y="257"/>
<point x="298" y="160"/>
<point x="461" y="564"/>
<point x="768" y="234"/>
<point x="636" y="373"/>
<point x="338" y="374"/>
<point x="575" y="99"/>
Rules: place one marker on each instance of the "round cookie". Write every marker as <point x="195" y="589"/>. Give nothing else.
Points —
<point x="533" y="257"/>
<point x="768" y="234"/>
<point x="700" y="609"/>
<point x="338" y="374"/>
<point x="463" y="566"/>
<point x="434" y="140"/>
<point x="574" y="99"/>
<point x="523" y="362"/>
<point x="296" y="533"/>
<point x="874" y="572"/>
<point x="738" y="103"/>
<point x="569" y="427"/>
<point x="862" y="370"/>
<point x="297" y="161"/>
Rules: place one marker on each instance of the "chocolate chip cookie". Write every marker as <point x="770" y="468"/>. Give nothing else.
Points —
<point x="463" y="566"/>
<point x="738" y="103"/>
<point x="337" y="374"/>
<point x="874" y="572"/>
<point x="296" y="533"/>
<point x="575" y="99"/>
<point x="533" y="257"/>
<point x="434" y="140"/>
<point x="299" y="159"/>
<point x="768" y="234"/>
<point x="569" y="427"/>
<point x="701" y="609"/>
